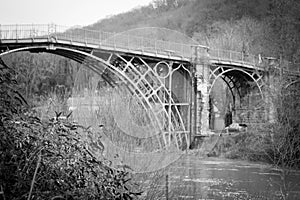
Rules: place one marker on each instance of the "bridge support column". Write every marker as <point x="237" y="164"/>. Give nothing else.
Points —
<point x="271" y="90"/>
<point x="202" y="74"/>
<point x="201" y="108"/>
<point x="269" y="110"/>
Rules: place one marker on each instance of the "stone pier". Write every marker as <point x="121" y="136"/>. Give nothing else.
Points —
<point x="202" y="91"/>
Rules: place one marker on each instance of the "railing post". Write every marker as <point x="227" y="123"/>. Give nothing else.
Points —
<point x="114" y="39"/>
<point x="48" y="31"/>
<point x="71" y="37"/>
<point x="100" y="38"/>
<point x="84" y="36"/>
<point x="128" y="42"/>
<point x="17" y="32"/>
<point x="243" y="57"/>
<point x="142" y="44"/>
<point x="55" y="31"/>
<point x="31" y="33"/>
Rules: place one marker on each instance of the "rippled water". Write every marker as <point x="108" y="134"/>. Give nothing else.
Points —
<point x="193" y="177"/>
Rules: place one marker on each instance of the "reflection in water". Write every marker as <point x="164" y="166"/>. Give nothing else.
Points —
<point x="206" y="178"/>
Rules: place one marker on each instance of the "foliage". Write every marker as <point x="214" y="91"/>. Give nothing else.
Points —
<point x="277" y="143"/>
<point x="267" y="27"/>
<point x="41" y="74"/>
<point x="284" y="133"/>
<point x="284" y="19"/>
<point x="50" y="159"/>
<point x="245" y="145"/>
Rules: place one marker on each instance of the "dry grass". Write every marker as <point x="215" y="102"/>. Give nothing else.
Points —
<point x="112" y="116"/>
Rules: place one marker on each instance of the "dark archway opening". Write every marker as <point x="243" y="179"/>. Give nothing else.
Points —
<point x="235" y="97"/>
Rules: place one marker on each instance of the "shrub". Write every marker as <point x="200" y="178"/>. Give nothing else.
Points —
<point x="50" y="159"/>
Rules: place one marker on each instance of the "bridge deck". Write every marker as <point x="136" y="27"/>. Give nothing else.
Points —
<point x="86" y="46"/>
<point x="15" y="36"/>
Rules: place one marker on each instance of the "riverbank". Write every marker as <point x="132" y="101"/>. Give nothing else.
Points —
<point x="258" y="146"/>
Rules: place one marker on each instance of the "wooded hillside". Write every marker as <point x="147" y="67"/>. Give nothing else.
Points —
<point x="269" y="27"/>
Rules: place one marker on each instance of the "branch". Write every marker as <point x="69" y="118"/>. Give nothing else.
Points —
<point x="34" y="176"/>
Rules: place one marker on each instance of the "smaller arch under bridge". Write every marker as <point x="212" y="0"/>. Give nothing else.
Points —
<point x="169" y="80"/>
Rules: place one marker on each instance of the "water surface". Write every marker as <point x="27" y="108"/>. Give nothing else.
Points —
<point x="193" y="177"/>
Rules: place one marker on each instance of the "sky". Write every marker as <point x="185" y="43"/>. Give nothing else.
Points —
<point x="63" y="12"/>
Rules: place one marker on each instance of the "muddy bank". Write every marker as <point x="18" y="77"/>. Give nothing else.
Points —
<point x="236" y="145"/>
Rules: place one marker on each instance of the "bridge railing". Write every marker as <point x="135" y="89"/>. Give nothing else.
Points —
<point x="105" y="39"/>
<point x="23" y="31"/>
<point x="234" y="56"/>
<point x="122" y="41"/>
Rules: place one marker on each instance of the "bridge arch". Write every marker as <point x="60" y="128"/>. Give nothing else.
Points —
<point x="238" y="81"/>
<point x="291" y="83"/>
<point x="231" y="87"/>
<point x="256" y="78"/>
<point x="138" y="85"/>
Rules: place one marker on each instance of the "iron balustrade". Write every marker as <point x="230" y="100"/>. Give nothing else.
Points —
<point x="101" y="38"/>
<point x="124" y="41"/>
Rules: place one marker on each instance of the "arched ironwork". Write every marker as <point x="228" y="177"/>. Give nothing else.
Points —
<point x="144" y="80"/>
<point x="231" y="85"/>
<point x="221" y="71"/>
<point x="141" y="79"/>
<point x="291" y="83"/>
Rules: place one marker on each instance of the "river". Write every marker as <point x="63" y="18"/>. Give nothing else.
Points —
<point x="193" y="177"/>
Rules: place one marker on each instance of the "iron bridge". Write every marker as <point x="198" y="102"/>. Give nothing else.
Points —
<point x="170" y="80"/>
